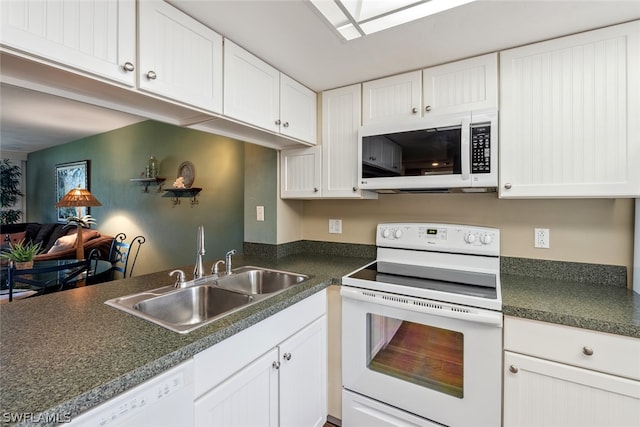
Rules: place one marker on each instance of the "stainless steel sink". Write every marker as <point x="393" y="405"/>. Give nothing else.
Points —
<point x="207" y="299"/>
<point x="259" y="281"/>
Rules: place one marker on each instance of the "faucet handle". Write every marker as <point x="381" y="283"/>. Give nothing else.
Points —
<point x="181" y="278"/>
<point x="215" y="268"/>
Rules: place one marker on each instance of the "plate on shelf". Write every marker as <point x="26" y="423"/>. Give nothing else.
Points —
<point x="187" y="172"/>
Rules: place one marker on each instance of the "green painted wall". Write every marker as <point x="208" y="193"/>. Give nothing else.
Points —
<point x="117" y="156"/>
<point x="261" y="189"/>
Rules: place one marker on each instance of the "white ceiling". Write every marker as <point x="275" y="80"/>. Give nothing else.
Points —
<point x="293" y="37"/>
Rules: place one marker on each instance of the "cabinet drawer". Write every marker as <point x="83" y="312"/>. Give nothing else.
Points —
<point x="614" y="354"/>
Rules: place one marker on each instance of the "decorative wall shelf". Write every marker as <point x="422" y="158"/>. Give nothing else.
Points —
<point x="177" y="193"/>
<point x="148" y="181"/>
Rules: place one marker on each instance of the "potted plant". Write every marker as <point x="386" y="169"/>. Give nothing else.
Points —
<point x="9" y="191"/>
<point x="22" y="253"/>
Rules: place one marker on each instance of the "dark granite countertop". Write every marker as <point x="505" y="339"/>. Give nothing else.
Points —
<point x="64" y="353"/>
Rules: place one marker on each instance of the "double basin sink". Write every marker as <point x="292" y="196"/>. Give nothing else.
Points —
<point x="204" y="300"/>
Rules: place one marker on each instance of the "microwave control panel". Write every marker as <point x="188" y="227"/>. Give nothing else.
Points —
<point x="480" y="149"/>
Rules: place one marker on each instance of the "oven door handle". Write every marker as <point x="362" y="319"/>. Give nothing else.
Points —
<point x="435" y="308"/>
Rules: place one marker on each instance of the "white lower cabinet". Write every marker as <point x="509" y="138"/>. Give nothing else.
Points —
<point x="562" y="376"/>
<point x="272" y="374"/>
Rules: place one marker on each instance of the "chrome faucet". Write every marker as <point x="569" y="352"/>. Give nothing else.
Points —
<point x="198" y="270"/>
<point x="227" y="262"/>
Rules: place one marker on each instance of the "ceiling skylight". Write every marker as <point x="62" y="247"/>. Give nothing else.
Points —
<point x="358" y="18"/>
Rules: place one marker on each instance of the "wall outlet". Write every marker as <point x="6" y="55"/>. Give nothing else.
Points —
<point x="259" y="213"/>
<point x="541" y="238"/>
<point x="335" y="226"/>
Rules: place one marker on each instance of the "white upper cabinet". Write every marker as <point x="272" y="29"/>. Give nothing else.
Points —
<point x="298" y="110"/>
<point x="392" y="99"/>
<point x="470" y="84"/>
<point x="251" y="88"/>
<point x="180" y="58"/>
<point x="340" y="123"/>
<point x="94" y="36"/>
<point x="569" y="116"/>
<point x="258" y="94"/>
<point x="301" y="173"/>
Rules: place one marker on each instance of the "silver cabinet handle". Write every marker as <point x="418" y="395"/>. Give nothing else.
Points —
<point x="278" y="122"/>
<point x="427" y="108"/>
<point x="507" y="186"/>
<point x="414" y="111"/>
<point x="285" y="124"/>
<point x="275" y="365"/>
<point x="513" y="369"/>
<point x="128" y="66"/>
<point x="286" y="356"/>
<point x="587" y="351"/>
<point x="151" y="75"/>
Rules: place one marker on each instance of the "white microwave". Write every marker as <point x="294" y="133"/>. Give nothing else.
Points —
<point x="451" y="152"/>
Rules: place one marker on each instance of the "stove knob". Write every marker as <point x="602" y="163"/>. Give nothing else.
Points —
<point x="385" y="233"/>
<point x="486" y="239"/>
<point x="397" y="234"/>
<point x="469" y="238"/>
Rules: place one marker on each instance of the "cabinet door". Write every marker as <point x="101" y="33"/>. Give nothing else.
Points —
<point x="251" y="88"/>
<point x="460" y="86"/>
<point x="248" y="398"/>
<point x="300" y="173"/>
<point x="569" y="113"/>
<point x="96" y="36"/>
<point x="542" y="393"/>
<point x="180" y="58"/>
<point x="341" y="112"/>
<point x="303" y="377"/>
<point x="392" y="99"/>
<point x="298" y="110"/>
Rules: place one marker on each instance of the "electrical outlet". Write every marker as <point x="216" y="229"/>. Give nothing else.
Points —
<point x="335" y="226"/>
<point x="259" y="213"/>
<point x="541" y="238"/>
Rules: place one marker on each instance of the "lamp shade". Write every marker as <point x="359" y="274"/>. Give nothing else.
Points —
<point x="78" y="197"/>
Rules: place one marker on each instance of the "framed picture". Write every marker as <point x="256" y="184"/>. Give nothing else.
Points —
<point x="69" y="176"/>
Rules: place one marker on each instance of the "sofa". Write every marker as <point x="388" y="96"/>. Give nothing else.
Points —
<point x="58" y="240"/>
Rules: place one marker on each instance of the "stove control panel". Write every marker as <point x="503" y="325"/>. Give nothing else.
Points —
<point x="440" y="237"/>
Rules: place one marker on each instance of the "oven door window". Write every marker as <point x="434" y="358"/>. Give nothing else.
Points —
<point x="420" y="354"/>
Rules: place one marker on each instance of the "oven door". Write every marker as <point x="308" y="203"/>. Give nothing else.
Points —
<point x="436" y="360"/>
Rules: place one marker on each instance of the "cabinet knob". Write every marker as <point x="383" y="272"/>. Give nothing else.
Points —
<point x="151" y="75"/>
<point x="427" y="108"/>
<point x="286" y="356"/>
<point x="315" y="189"/>
<point x="278" y="122"/>
<point x="587" y="351"/>
<point x="507" y="186"/>
<point x="285" y="124"/>
<point x="355" y="188"/>
<point x="275" y="365"/>
<point x="414" y="110"/>
<point x="128" y="66"/>
<point x="513" y="369"/>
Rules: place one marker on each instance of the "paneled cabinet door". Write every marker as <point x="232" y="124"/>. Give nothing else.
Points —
<point x="470" y="84"/>
<point x="298" y="110"/>
<point x="251" y="88"/>
<point x="392" y="99"/>
<point x="569" y="112"/>
<point x="248" y="398"/>
<point x="341" y="112"/>
<point x="538" y="392"/>
<point x="301" y="173"/>
<point x="303" y="377"/>
<point x="95" y="36"/>
<point x="180" y="58"/>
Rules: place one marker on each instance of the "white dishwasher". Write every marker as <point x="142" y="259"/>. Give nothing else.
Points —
<point x="164" y="400"/>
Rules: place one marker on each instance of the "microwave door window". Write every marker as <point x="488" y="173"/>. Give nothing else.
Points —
<point x="413" y="153"/>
